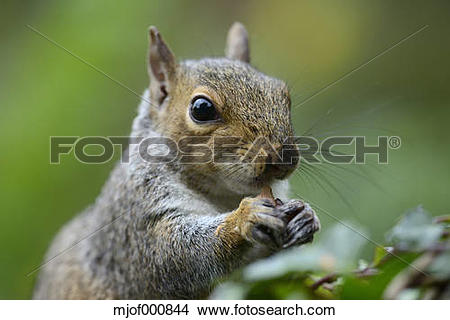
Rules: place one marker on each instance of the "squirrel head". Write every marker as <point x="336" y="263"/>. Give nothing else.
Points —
<point x="224" y="101"/>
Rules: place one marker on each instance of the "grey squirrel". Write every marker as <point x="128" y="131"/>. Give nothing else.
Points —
<point x="173" y="230"/>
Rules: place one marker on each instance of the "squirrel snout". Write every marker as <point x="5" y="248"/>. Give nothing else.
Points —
<point x="282" y="165"/>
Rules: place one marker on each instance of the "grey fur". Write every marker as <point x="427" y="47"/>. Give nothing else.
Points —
<point x="151" y="233"/>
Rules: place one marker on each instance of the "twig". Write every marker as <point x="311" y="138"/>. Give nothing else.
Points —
<point x="332" y="277"/>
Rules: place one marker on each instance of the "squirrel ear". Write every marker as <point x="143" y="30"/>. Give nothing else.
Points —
<point x="161" y="66"/>
<point x="237" y="43"/>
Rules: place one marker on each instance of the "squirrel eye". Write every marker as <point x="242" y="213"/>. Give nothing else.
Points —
<point x="203" y="110"/>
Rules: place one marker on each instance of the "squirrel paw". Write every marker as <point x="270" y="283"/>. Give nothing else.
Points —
<point x="271" y="224"/>
<point x="302" y="222"/>
<point x="258" y="222"/>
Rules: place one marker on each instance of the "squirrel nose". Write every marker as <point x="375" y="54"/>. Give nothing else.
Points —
<point x="283" y="164"/>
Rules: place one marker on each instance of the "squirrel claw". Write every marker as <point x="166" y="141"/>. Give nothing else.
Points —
<point x="268" y="236"/>
<point x="301" y="228"/>
<point x="291" y="209"/>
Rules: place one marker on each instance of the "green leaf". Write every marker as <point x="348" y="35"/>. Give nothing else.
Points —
<point x="229" y="291"/>
<point x="440" y="267"/>
<point x="336" y="251"/>
<point x="379" y="254"/>
<point x="373" y="287"/>
<point x="415" y="231"/>
<point x="409" y="294"/>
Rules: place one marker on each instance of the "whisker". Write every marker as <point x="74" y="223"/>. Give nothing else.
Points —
<point x="329" y="183"/>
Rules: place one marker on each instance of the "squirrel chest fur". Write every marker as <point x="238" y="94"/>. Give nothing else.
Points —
<point x="172" y="230"/>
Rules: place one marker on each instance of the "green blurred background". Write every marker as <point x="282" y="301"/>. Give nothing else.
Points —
<point x="46" y="92"/>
